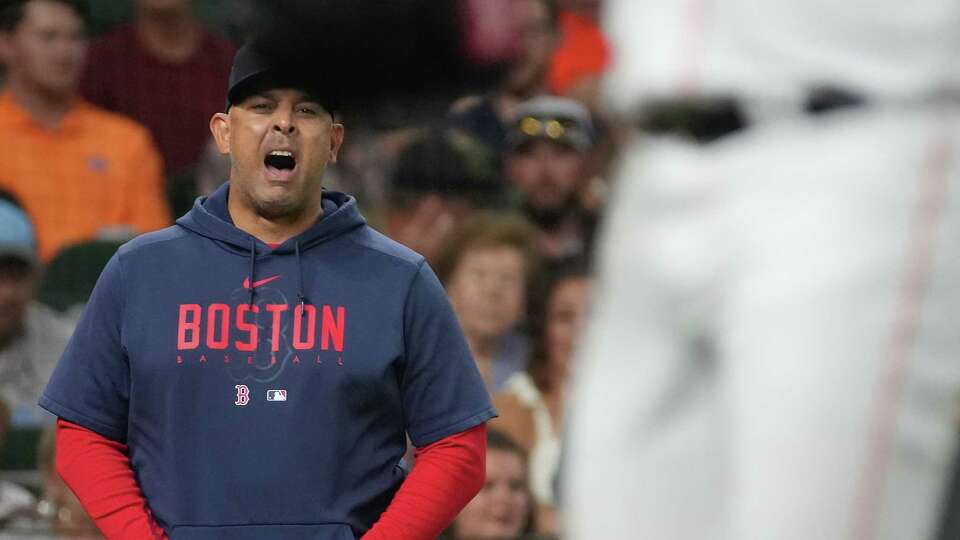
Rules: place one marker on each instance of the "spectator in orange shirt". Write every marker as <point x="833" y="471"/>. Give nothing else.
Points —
<point x="583" y="53"/>
<point x="77" y="169"/>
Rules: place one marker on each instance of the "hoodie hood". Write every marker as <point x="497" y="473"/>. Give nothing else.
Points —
<point x="210" y="218"/>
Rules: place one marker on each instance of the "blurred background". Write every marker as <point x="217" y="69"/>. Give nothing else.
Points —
<point x="493" y="137"/>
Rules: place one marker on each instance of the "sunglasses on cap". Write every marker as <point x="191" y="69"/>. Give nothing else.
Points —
<point x="536" y="127"/>
<point x="561" y="130"/>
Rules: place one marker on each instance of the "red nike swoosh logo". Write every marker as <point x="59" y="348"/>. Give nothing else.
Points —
<point x="246" y="282"/>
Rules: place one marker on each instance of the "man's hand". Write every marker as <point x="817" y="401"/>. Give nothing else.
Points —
<point x="430" y="225"/>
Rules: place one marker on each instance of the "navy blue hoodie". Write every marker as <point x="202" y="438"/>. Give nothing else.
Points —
<point x="266" y="393"/>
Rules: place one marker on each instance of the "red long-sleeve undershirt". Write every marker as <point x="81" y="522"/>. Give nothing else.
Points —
<point x="98" y="471"/>
<point x="446" y="475"/>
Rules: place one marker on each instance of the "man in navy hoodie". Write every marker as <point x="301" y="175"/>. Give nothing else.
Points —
<point x="253" y="372"/>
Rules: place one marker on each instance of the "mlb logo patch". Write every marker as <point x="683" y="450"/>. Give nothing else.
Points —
<point x="276" y="395"/>
<point x="97" y="164"/>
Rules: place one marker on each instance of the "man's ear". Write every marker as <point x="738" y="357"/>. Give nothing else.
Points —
<point x="220" y="127"/>
<point x="336" y="140"/>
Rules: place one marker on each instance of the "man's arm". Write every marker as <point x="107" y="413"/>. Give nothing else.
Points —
<point x="98" y="471"/>
<point x="89" y="391"/>
<point x="445" y="407"/>
<point x="446" y="476"/>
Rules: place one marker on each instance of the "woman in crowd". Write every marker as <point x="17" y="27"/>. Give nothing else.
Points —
<point x="503" y="508"/>
<point x="531" y="405"/>
<point x="487" y="266"/>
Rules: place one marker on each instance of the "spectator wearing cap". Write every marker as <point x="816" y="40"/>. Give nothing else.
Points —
<point x="548" y="145"/>
<point x="166" y="71"/>
<point x="488" y="117"/>
<point x="440" y="179"/>
<point x="32" y="336"/>
<point x="77" y="169"/>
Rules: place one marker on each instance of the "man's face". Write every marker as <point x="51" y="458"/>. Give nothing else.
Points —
<point x="566" y="307"/>
<point x="280" y="142"/>
<point x="538" y="41"/>
<point x="46" y="51"/>
<point x="488" y="290"/>
<point x="501" y="507"/>
<point x="16" y="291"/>
<point x="546" y="173"/>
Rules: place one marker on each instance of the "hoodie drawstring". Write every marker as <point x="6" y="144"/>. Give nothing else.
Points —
<point x="253" y="258"/>
<point x="299" y="279"/>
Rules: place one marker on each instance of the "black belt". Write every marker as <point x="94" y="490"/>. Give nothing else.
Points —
<point x="710" y="119"/>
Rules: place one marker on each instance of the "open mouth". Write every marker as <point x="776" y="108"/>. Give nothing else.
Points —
<point x="280" y="164"/>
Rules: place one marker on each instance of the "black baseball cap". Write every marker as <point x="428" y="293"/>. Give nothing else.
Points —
<point x="255" y="70"/>
<point x="447" y="162"/>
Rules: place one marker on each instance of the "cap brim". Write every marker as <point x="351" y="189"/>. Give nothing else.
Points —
<point x="278" y="78"/>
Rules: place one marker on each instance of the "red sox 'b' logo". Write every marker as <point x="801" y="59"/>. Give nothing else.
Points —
<point x="243" y="395"/>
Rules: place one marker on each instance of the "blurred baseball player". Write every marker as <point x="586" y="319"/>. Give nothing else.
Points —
<point x="773" y="352"/>
<point x="253" y="371"/>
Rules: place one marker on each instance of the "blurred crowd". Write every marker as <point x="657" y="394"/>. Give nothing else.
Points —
<point x="502" y="182"/>
<point x="104" y="112"/>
